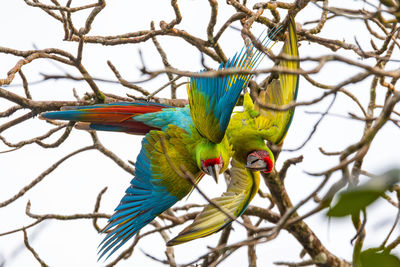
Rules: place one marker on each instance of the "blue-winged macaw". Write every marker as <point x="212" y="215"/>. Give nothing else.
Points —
<point x="191" y="138"/>
<point x="247" y="133"/>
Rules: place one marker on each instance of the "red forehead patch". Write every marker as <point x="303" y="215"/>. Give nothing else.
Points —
<point x="210" y="162"/>
<point x="261" y="154"/>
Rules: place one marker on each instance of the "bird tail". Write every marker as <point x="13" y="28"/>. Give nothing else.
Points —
<point x="116" y="117"/>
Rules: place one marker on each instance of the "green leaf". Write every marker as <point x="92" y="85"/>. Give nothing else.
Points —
<point x="373" y="259"/>
<point x="354" y="200"/>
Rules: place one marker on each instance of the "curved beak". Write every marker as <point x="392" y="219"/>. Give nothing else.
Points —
<point x="255" y="164"/>
<point x="213" y="170"/>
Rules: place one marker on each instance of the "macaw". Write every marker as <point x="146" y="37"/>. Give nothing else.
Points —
<point x="247" y="133"/>
<point x="177" y="140"/>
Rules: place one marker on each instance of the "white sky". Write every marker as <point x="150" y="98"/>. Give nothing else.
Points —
<point x="73" y="187"/>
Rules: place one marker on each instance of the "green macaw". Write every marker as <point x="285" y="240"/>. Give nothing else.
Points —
<point x="247" y="133"/>
<point x="190" y="139"/>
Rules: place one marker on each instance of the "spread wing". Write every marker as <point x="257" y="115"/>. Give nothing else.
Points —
<point x="157" y="186"/>
<point x="242" y="188"/>
<point x="212" y="99"/>
<point x="281" y="92"/>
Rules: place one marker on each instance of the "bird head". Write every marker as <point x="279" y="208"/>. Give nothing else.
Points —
<point x="212" y="158"/>
<point x="212" y="167"/>
<point x="260" y="160"/>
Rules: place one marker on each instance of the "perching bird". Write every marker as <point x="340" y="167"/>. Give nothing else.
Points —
<point x="193" y="144"/>
<point x="247" y="133"/>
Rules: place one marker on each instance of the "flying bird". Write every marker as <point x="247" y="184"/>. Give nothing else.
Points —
<point x="247" y="133"/>
<point x="178" y="141"/>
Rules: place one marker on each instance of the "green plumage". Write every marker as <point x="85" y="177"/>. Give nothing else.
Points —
<point x="176" y="151"/>
<point x="242" y="189"/>
<point x="247" y="132"/>
<point x="200" y="104"/>
<point x="212" y="99"/>
<point x="243" y="133"/>
<point x="245" y="138"/>
<point x="170" y="151"/>
<point x="281" y="92"/>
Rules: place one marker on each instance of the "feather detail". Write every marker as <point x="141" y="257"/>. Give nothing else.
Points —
<point x="156" y="186"/>
<point x="212" y="99"/>
<point x="281" y="92"/>
<point x="242" y="188"/>
<point x="117" y="117"/>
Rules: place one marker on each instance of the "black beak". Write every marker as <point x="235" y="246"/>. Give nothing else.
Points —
<point x="213" y="170"/>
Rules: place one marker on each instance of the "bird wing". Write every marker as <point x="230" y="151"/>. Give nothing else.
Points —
<point x="242" y="188"/>
<point x="158" y="184"/>
<point x="212" y="99"/>
<point x="118" y="117"/>
<point x="281" y="92"/>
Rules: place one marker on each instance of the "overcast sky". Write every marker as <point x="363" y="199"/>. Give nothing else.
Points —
<point x="73" y="187"/>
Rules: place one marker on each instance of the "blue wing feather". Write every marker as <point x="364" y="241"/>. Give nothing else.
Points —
<point x="143" y="201"/>
<point x="219" y="95"/>
<point x="155" y="188"/>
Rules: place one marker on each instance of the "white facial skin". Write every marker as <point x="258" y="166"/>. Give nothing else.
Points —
<point x="259" y="160"/>
<point x="212" y="167"/>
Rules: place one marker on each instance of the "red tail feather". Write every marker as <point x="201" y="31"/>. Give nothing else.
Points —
<point x="112" y="117"/>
